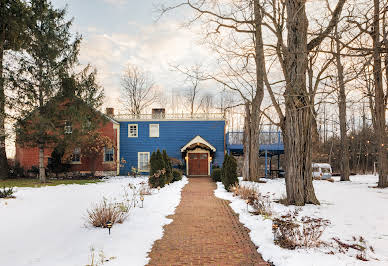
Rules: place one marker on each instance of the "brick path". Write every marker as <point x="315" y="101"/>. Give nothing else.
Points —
<point x="204" y="231"/>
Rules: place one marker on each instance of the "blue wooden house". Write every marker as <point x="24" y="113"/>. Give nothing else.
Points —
<point x="198" y="140"/>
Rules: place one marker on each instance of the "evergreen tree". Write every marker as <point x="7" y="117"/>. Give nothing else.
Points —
<point x="157" y="170"/>
<point x="168" y="166"/>
<point x="229" y="172"/>
<point x="49" y="93"/>
<point x="14" y="17"/>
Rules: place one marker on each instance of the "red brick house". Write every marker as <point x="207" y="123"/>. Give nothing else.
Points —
<point x="106" y="164"/>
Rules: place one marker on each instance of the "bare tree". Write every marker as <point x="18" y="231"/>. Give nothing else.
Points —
<point x="207" y="103"/>
<point x="234" y="31"/>
<point x="138" y="90"/>
<point x="192" y="93"/>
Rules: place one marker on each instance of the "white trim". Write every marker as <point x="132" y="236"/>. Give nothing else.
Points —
<point x="118" y="159"/>
<point x="76" y="162"/>
<point x="156" y="136"/>
<point x="103" y="158"/>
<point x="138" y="162"/>
<point x="198" y="139"/>
<point x="137" y="130"/>
<point x="161" y="120"/>
<point x="199" y="150"/>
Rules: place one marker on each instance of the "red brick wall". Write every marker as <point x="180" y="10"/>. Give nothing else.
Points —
<point x="29" y="156"/>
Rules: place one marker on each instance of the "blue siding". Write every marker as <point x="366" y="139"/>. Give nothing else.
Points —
<point x="173" y="135"/>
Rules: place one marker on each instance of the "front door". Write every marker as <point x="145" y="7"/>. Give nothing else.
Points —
<point x="198" y="164"/>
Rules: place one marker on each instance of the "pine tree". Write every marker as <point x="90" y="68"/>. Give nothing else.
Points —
<point x="229" y="172"/>
<point x="43" y="75"/>
<point x="14" y="17"/>
<point x="168" y="166"/>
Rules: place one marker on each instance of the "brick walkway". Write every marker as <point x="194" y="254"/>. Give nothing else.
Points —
<point x="204" y="231"/>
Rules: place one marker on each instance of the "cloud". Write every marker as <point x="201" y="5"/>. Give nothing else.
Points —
<point x="152" y="47"/>
<point x="116" y="2"/>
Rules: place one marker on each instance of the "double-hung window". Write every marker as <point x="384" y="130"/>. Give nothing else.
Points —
<point x="68" y="128"/>
<point x="109" y="154"/>
<point x="154" y="130"/>
<point x="143" y="161"/>
<point x="133" y="131"/>
<point x="76" y="156"/>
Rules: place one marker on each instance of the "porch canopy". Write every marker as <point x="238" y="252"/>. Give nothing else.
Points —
<point x="198" y="142"/>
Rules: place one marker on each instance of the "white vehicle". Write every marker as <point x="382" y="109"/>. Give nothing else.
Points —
<point x="321" y="170"/>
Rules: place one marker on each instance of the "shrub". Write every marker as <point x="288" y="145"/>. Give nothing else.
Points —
<point x="157" y="170"/>
<point x="16" y="171"/>
<point x="168" y="167"/>
<point x="216" y="174"/>
<point x="229" y="172"/>
<point x="177" y="174"/>
<point x="106" y="211"/>
<point x="289" y="234"/>
<point x="33" y="171"/>
<point x="261" y="204"/>
<point x="56" y="165"/>
<point x="7" y="192"/>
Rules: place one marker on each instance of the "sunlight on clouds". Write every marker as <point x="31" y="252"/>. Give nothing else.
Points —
<point x="152" y="47"/>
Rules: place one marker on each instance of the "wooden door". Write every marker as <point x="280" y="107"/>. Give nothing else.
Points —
<point x="198" y="164"/>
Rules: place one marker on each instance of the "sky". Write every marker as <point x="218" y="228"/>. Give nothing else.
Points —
<point x="121" y="32"/>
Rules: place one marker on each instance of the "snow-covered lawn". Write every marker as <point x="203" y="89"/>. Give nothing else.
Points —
<point x="46" y="226"/>
<point x="353" y="208"/>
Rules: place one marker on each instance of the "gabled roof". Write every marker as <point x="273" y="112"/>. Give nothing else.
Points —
<point x="198" y="140"/>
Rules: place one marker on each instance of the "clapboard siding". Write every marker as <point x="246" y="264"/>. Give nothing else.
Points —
<point x="173" y="135"/>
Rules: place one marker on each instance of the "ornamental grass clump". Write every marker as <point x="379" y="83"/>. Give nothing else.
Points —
<point x="107" y="211"/>
<point x="291" y="232"/>
<point x="7" y="193"/>
<point x="261" y="204"/>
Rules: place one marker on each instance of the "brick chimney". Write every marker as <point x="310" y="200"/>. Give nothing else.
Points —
<point x="110" y="111"/>
<point x="158" y="113"/>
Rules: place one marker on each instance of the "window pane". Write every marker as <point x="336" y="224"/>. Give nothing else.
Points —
<point x="154" y="130"/>
<point x="109" y="155"/>
<point x="132" y="130"/>
<point x="143" y="161"/>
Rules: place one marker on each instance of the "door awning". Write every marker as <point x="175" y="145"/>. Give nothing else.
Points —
<point x="198" y="141"/>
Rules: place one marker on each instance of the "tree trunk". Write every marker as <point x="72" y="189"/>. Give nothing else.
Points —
<point x="345" y="171"/>
<point x="42" y="172"/>
<point x="259" y="94"/>
<point x="246" y="142"/>
<point x="379" y="99"/>
<point x="297" y="131"/>
<point x="3" y="153"/>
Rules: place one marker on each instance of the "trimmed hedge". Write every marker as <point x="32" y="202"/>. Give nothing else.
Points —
<point x="216" y="174"/>
<point x="229" y="172"/>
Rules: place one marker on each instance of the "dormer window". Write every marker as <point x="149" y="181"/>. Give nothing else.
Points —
<point x="68" y="128"/>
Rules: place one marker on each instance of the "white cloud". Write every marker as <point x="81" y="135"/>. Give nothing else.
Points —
<point x="152" y="47"/>
<point x="115" y="2"/>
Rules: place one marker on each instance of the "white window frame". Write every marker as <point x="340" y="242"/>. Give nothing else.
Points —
<point x="79" y="153"/>
<point x="105" y="149"/>
<point x="138" y="161"/>
<point x="68" y="128"/>
<point x="156" y="135"/>
<point x="129" y="131"/>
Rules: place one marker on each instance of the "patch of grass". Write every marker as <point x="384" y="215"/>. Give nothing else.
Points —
<point x="29" y="182"/>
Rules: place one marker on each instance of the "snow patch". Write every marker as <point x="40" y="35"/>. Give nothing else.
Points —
<point x="353" y="208"/>
<point x="46" y="226"/>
